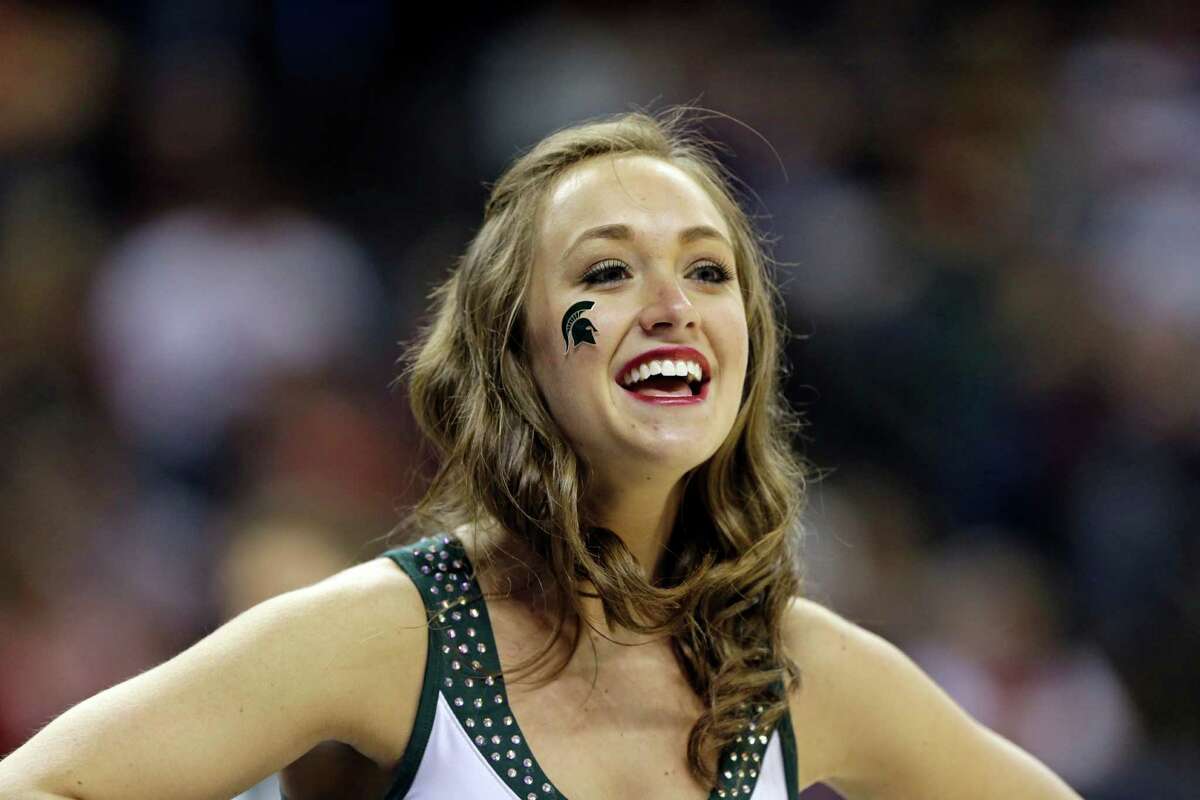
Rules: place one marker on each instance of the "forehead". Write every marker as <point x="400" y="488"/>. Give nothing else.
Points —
<point x="648" y="194"/>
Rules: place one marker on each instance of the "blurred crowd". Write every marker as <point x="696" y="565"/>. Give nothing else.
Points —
<point x="218" y="221"/>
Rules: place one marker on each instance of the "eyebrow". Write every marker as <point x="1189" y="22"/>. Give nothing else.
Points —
<point x="625" y="233"/>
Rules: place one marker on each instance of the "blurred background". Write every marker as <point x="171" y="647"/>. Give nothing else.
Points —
<point x="219" y="218"/>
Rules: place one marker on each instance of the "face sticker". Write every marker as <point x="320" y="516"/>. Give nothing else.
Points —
<point x="576" y="328"/>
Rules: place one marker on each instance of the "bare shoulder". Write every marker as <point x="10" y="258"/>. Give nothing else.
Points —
<point x="820" y="639"/>
<point x="858" y="693"/>
<point x="376" y="592"/>
<point x="870" y="723"/>
<point x="821" y="644"/>
<point x="383" y="635"/>
<point x="855" y="693"/>
<point x="360" y="614"/>
<point x="360" y="636"/>
<point x="384" y="615"/>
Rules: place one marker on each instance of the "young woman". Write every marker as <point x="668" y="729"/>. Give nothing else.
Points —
<point x="606" y="604"/>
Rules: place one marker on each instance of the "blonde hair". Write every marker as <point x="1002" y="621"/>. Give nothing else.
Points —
<point x="729" y="572"/>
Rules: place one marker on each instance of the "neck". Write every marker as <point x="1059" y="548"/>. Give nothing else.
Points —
<point x="642" y="514"/>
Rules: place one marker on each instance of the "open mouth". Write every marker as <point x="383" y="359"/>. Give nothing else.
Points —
<point x="664" y="386"/>
<point x="666" y="379"/>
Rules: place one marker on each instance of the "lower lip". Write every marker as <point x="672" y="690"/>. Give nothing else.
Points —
<point x="690" y="400"/>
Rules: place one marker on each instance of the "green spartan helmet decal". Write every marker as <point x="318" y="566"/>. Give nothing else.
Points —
<point x="576" y="328"/>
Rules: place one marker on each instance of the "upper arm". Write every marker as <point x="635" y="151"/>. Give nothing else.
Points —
<point x="879" y="727"/>
<point x="245" y="701"/>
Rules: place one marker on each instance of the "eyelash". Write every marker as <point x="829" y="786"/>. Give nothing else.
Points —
<point x="723" y="272"/>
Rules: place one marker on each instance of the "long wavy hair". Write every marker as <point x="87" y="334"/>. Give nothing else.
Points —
<point x="730" y="571"/>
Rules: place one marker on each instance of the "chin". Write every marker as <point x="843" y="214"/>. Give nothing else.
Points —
<point x="677" y="462"/>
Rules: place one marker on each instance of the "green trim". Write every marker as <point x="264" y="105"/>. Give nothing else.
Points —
<point x="463" y="665"/>
<point x="471" y="680"/>
<point x="740" y="766"/>
<point x="406" y="769"/>
<point x="787" y="741"/>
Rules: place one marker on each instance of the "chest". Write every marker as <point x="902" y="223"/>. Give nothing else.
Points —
<point x="598" y="720"/>
<point x="614" y="722"/>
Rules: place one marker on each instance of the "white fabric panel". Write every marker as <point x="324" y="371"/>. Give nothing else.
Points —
<point x="772" y="781"/>
<point x="452" y="766"/>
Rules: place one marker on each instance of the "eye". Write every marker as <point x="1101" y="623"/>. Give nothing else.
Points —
<point x="715" y="270"/>
<point x="609" y="270"/>
<point x="604" y="272"/>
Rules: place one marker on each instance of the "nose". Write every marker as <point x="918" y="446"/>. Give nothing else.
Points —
<point x="667" y="304"/>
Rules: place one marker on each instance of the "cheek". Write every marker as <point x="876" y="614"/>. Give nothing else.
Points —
<point x="563" y="374"/>
<point x="734" y="342"/>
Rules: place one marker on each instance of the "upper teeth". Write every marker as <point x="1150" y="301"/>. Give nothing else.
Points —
<point x="688" y="369"/>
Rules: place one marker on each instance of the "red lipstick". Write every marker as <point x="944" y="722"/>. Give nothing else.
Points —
<point x="669" y="354"/>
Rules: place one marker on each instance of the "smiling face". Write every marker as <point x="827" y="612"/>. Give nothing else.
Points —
<point x="643" y="242"/>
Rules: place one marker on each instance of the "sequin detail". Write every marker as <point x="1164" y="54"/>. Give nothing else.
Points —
<point x="475" y="687"/>
<point x="475" y="690"/>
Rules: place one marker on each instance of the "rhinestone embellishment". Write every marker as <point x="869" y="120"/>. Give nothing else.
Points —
<point x="477" y="700"/>
<point x="732" y="780"/>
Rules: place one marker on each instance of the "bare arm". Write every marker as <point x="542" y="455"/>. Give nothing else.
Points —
<point x="888" y="731"/>
<point x="342" y="660"/>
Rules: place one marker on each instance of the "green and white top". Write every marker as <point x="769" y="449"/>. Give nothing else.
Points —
<point x="466" y="741"/>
